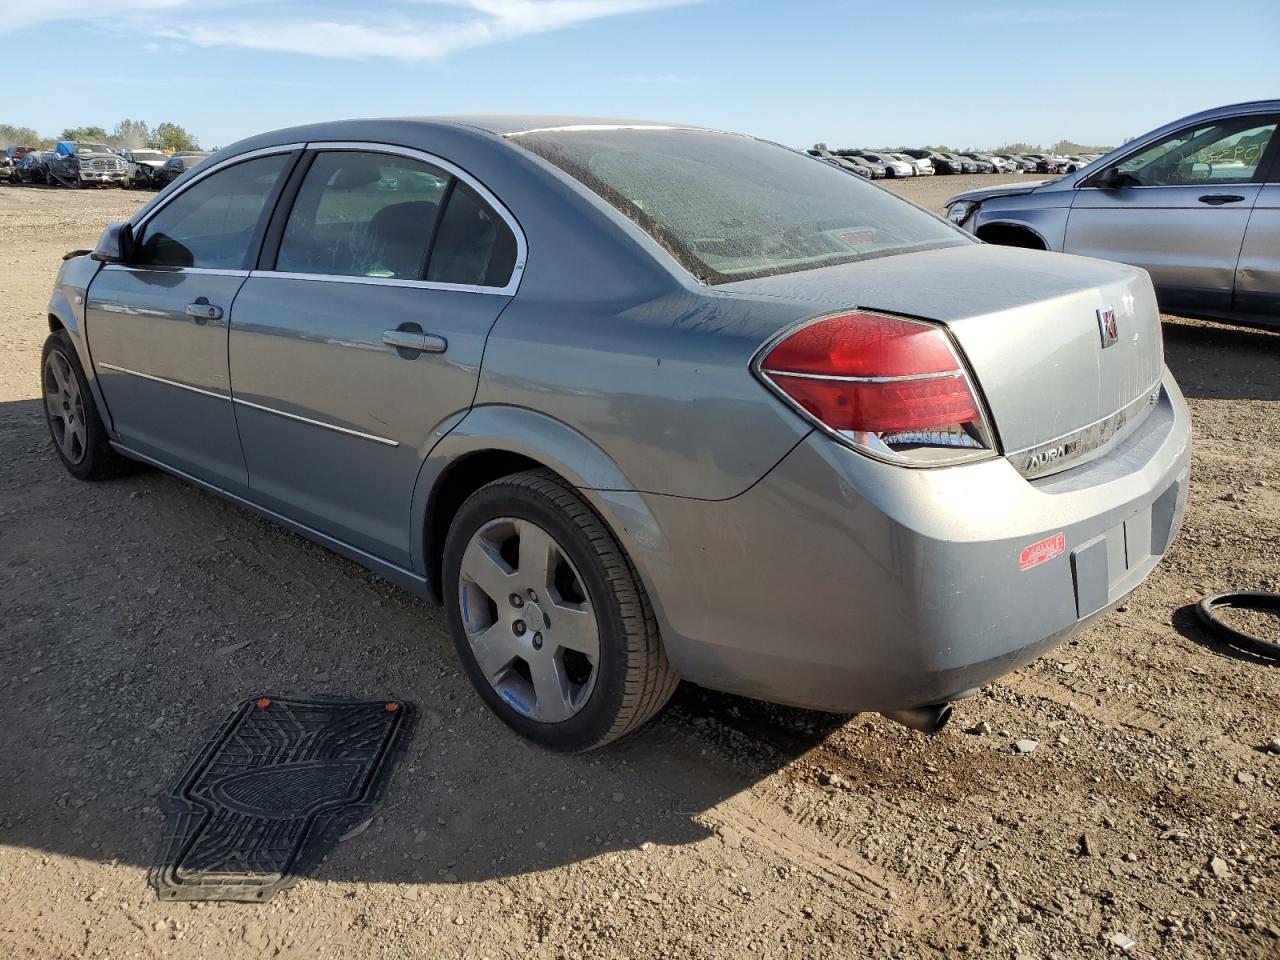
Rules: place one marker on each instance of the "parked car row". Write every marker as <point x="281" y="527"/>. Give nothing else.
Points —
<point x="877" y="164"/>
<point x="81" y="164"/>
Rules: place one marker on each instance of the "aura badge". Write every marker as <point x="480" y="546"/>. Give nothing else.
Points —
<point x="1107" y="326"/>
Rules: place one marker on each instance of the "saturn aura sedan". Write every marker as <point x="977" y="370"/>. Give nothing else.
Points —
<point x="637" y="403"/>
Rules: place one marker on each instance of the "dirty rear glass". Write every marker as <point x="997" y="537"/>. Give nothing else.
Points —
<point x="729" y="207"/>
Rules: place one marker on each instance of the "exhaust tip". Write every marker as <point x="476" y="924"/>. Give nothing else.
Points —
<point x="928" y="720"/>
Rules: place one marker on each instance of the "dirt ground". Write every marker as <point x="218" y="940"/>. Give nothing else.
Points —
<point x="1149" y="809"/>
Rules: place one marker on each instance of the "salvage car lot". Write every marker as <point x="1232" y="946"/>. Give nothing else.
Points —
<point x="140" y="611"/>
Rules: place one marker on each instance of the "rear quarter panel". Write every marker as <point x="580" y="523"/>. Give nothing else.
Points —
<point x="662" y="386"/>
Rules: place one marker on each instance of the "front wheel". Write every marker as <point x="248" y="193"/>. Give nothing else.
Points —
<point x="77" y="430"/>
<point x="549" y="617"/>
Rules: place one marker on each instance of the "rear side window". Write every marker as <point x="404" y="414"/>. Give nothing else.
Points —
<point x="363" y="215"/>
<point x="474" y="245"/>
<point x="730" y="207"/>
<point x="213" y="222"/>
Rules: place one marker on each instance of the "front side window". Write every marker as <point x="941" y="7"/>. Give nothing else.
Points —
<point x="363" y="215"/>
<point x="1222" y="151"/>
<point x="730" y="207"/>
<point x="214" y="222"/>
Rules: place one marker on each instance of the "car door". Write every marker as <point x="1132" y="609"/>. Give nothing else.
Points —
<point x="1179" y="210"/>
<point x="157" y="327"/>
<point x="357" y="343"/>
<point x="1257" y="291"/>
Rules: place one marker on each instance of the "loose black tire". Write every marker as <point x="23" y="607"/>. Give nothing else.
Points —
<point x="99" y="460"/>
<point x="1208" y="609"/>
<point x="634" y="680"/>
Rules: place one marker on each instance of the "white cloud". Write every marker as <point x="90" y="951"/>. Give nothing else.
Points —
<point x="418" y="30"/>
<point x="34" y="14"/>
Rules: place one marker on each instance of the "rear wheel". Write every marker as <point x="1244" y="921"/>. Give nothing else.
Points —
<point x="74" y="424"/>
<point x="549" y="617"/>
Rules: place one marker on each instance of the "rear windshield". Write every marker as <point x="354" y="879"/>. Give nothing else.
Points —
<point x="730" y="207"/>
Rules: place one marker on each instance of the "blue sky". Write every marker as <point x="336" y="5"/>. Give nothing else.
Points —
<point x="972" y="73"/>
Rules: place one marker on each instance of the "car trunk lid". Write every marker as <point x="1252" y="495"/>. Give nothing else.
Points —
<point x="1030" y="327"/>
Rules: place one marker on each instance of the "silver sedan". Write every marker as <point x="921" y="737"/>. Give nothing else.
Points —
<point x="1195" y="203"/>
<point x="637" y="403"/>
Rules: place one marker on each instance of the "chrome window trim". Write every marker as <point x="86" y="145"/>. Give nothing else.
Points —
<point x="168" y="383"/>
<point x="163" y="201"/>
<point x="203" y="271"/>
<point x="385" y="441"/>
<point x="1206" y="185"/>
<point x="378" y="282"/>
<point x="522" y="245"/>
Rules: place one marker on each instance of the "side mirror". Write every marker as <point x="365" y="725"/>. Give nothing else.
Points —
<point x="1108" y="179"/>
<point x="116" y="244"/>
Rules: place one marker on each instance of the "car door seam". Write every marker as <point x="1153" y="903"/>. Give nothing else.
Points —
<point x="1235" y="270"/>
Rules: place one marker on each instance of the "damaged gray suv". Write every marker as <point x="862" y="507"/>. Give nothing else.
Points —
<point x="1195" y="203"/>
<point x="638" y="403"/>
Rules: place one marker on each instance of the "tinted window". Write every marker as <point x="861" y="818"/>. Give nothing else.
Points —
<point x="212" y="223"/>
<point x="730" y="207"/>
<point x="1224" y="151"/>
<point x="474" y="245"/>
<point x="363" y="215"/>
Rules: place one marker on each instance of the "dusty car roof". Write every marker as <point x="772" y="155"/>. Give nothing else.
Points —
<point x="426" y="130"/>
<point x="503" y="124"/>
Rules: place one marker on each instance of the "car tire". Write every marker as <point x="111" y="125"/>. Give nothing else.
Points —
<point x="502" y="579"/>
<point x="77" y="431"/>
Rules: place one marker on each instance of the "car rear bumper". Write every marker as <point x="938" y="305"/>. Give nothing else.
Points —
<point x="840" y="583"/>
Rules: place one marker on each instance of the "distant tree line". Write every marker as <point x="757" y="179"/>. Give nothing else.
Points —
<point x="127" y="134"/>
<point x="1063" y="148"/>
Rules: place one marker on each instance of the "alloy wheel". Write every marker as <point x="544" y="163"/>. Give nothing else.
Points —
<point x="529" y="620"/>
<point x="65" y="405"/>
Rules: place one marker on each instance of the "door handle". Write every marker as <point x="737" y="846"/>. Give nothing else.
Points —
<point x="1218" y="199"/>
<point x="202" y="309"/>
<point x="414" y="340"/>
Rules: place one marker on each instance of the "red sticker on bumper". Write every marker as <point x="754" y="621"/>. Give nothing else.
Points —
<point x="1042" y="550"/>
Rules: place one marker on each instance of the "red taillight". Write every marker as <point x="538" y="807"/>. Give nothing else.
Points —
<point x="863" y="345"/>
<point x="879" y="407"/>
<point x="892" y="387"/>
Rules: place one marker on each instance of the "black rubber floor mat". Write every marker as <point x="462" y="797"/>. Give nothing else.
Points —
<point x="272" y="792"/>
